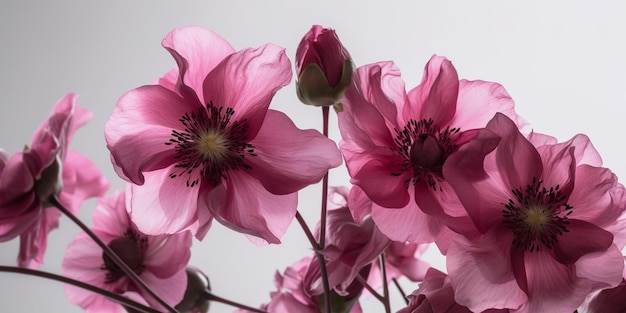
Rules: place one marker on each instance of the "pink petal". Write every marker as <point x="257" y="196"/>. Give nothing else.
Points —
<point x="202" y="51"/>
<point x="602" y="269"/>
<point x="581" y="238"/>
<point x="34" y="241"/>
<point x="517" y="159"/>
<point x="81" y="180"/>
<point x="163" y="205"/>
<point x="168" y="254"/>
<point x="171" y="289"/>
<point x="110" y="215"/>
<point x="406" y="224"/>
<point x="140" y="126"/>
<point x="287" y="158"/>
<point x="360" y="205"/>
<point x="246" y="81"/>
<point x="244" y="205"/>
<point x="480" y="272"/>
<point x="479" y="101"/>
<point x="598" y="197"/>
<point x="436" y="96"/>
<point x="376" y="180"/>
<point x="553" y="286"/>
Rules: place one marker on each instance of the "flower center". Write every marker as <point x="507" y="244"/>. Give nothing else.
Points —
<point x="537" y="216"/>
<point x="424" y="147"/>
<point x="130" y="249"/>
<point x="209" y="145"/>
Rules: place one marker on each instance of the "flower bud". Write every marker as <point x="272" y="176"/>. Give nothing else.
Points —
<point x="324" y="68"/>
<point x="50" y="183"/>
<point x="194" y="300"/>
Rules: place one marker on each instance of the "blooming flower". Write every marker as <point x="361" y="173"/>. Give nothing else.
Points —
<point x="435" y="295"/>
<point x="159" y="261"/>
<point x="324" y="67"/>
<point x="45" y="169"/>
<point x="548" y="218"/>
<point x="396" y="143"/>
<point x="202" y="144"/>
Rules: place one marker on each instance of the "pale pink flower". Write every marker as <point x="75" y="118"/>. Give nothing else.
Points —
<point x="323" y="66"/>
<point x="548" y="215"/>
<point x="396" y="143"/>
<point x="159" y="261"/>
<point x="401" y="260"/>
<point x="202" y="144"/>
<point x="435" y="295"/>
<point x="46" y="168"/>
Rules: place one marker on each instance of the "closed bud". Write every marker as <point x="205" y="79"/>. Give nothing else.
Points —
<point x="195" y="300"/>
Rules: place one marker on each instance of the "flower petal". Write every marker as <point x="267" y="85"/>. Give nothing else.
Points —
<point x="139" y="129"/>
<point x="376" y="180"/>
<point x="581" y="238"/>
<point x="168" y="254"/>
<point x="162" y="205"/>
<point x="244" y="205"/>
<point x="287" y="158"/>
<point x="246" y="81"/>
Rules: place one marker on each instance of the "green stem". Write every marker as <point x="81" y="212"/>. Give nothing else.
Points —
<point x="114" y="257"/>
<point x="110" y="295"/>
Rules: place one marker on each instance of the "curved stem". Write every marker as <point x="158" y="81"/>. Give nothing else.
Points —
<point x="369" y="288"/>
<point x="114" y="257"/>
<point x="110" y="295"/>
<point x="321" y="260"/>
<point x="209" y="296"/>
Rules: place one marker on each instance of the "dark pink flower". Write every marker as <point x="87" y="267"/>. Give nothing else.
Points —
<point x="47" y="168"/>
<point x="548" y="214"/>
<point x="202" y="144"/>
<point x="323" y="66"/>
<point x="396" y="143"/>
<point x="349" y="247"/>
<point x="159" y="261"/>
<point x="611" y="300"/>
<point x="435" y="295"/>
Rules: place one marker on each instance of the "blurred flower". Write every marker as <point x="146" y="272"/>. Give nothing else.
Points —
<point x="396" y="143"/>
<point x="159" y="261"/>
<point x="204" y="142"/>
<point x="46" y="169"/>
<point x="324" y="67"/>
<point x="435" y="295"/>
<point x="401" y="260"/>
<point x="548" y="215"/>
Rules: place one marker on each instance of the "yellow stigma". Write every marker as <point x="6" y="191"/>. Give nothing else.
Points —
<point x="536" y="218"/>
<point x="213" y="146"/>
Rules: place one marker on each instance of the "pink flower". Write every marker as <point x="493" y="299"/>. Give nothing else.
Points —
<point x="158" y="260"/>
<point x="611" y="300"/>
<point x="292" y="293"/>
<point x="435" y="295"/>
<point x="46" y="169"/>
<point x="401" y="260"/>
<point x="324" y="67"/>
<point x="548" y="215"/>
<point x="202" y="144"/>
<point x="349" y="248"/>
<point x="396" y="143"/>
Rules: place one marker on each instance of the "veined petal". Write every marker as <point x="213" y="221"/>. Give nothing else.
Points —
<point x="168" y="254"/>
<point x="598" y="197"/>
<point x="202" y="50"/>
<point x="140" y="126"/>
<point x="436" y="96"/>
<point x="376" y="180"/>
<point x="246" y="81"/>
<point x="81" y="180"/>
<point x="581" y="238"/>
<point x="603" y="269"/>
<point x="244" y="205"/>
<point x="163" y="205"/>
<point x="479" y="101"/>
<point x="287" y="158"/>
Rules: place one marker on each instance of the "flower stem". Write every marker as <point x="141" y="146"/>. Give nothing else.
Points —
<point x="325" y="113"/>
<point x="116" y="259"/>
<point x="320" y="258"/>
<point x="110" y="295"/>
<point x="395" y="282"/>
<point x="369" y="288"/>
<point x="383" y="270"/>
<point x="211" y="297"/>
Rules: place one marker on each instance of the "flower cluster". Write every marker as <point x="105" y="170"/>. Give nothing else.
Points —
<point x="526" y="223"/>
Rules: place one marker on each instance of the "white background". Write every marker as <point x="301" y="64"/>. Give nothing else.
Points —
<point x="563" y="63"/>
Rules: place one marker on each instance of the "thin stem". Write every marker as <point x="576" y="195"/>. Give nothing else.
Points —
<point x="209" y="296"/>
<point x="325" y="113"/>
<point x="369" y="288"/>
<point x="320" y="258"/>
<point x="116" y="259"/>
<point x="383" y="270"/>
<point x="110" y="295"/>
<point x="395" y="282"/>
